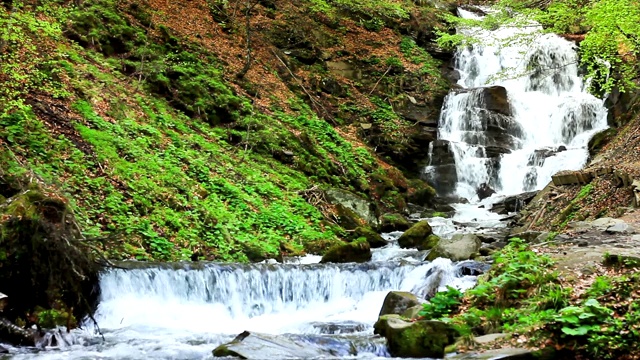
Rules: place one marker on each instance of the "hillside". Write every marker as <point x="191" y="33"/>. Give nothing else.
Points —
<point x="210" y="129"/>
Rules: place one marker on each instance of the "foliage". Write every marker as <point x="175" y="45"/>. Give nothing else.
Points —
<point x="162" y="156"/>
<point x="442" y="304"/>
<point x="609" y="51"/>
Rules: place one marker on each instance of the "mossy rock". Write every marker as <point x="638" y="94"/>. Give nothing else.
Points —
<point x="321" y="246"/>
<point x="37" y="234"/>
<point x="397" y="302"/>
<point x="422" y="194"/>
<point x="393" y="222"/>
<point x="357" y="251"/>
<point x="419" y="236"/>
<point x="459" y="247"/>
<point x="347" y="218"/>
<point x="415" y="339"/>
<point x="373" y="238"/>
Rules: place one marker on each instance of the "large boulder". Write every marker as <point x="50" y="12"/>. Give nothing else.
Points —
<point x="393" y="222"/>
<point x="363" y="208"/>
<point x="417" y="339"/>
<point x="251" y="345"/>
<point x="457" y="248"/>
<point x="418" y="236"/>
<point x="397" y="302"/>
<point x="355" y="251"/>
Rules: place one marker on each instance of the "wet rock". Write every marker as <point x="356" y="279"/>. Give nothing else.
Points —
<point x="397" y="302"/>
<point x="419" y="236"/>
<point x="374" y="239"/>
<point x="393" y="222"/>
<point x="443" y="178"/>
<point x="3" y="350"/>
<point x="251" y="345"/>
<point x="472" y="268"/>
<point x="363" y="208"/>
<point x="540" y="155"/>
<point x="417" y="339"/>
<point x="343" y="327"/>
<point x="357" y="251"/>
<point x="484" y="191"/>
<point x="493" y="236"/>
<point x="459" y="247"/>
<point x="513" y="203"/>
<point x="441" y="153"/>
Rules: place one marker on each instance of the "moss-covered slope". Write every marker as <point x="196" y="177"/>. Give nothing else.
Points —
<point x="195" y="130"/>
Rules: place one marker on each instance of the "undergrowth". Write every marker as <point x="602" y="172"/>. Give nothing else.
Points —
<point x="522" y="294"/>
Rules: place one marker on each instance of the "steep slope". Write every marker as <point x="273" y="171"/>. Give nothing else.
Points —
<point x="210" y="129"/>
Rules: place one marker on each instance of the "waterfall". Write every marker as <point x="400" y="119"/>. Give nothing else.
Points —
<point x="185" y="310"/>
<point x="521" y="113"/>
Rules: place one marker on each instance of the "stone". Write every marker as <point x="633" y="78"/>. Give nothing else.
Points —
<point x="374" y="239"/>
<point x="484" y="191"/>
<point x="443" y="178"/>
<point x="393" y="222"/>
<point x="620" y="228"/>
<point x="635" y="186"/>
<point x="568" y="177"/>
<point x="513" y="203"/>
<point x="604" y="223"/>
<point x="418" y="236"/>
<point x="472" y="268"/>
<point x="360" y="206"/>
<point x="251" y="345"/>
<point x="601" y="138"/>
<point x="3" y="350"/>
<point x="416" y="339"/>
<point x="412" y="312"/>
<point x="4" y="300"/>
<point x="397" y="302"/>
<point x="335" y="328"/>
<point x="356" y="251"/>
<point x="459" y="247"/>
<point x="485" y="339"/>
<point x="502" y="354"/>
<point x="344" y="69"/>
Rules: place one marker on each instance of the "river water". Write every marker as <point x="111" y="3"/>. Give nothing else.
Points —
<point x="184" y="310"/>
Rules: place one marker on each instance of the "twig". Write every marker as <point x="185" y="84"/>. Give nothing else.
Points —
<point x="378" y="82"/>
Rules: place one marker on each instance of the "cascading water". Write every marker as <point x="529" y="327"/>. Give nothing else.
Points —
<point x="183" y="311"/>
<point x="513" y="133"/>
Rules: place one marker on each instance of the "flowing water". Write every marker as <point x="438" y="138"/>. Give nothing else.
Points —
<point x="544" y="128"/>
<point x="184" y="310"/>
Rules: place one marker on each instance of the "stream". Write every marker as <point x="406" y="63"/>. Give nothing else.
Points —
<point x="185" y="310"/>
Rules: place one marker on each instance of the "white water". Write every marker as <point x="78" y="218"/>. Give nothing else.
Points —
<point x="548" y="99"/>
<point x="183" y="311"/>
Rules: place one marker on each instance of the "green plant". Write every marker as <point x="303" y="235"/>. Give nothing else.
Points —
<point x="442" y="304"/>
<point x="580" y="320"/>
